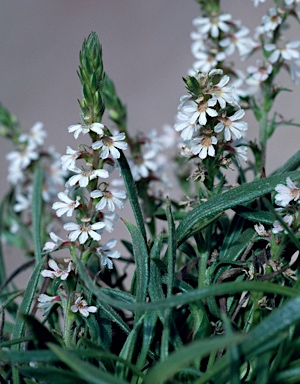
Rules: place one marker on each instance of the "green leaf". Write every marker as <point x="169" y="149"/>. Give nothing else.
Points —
<point x="235" y="229"/>
<point x="141" y="257"/>
<point x="290" y="375"/>
<point x="171" y="253"/>
<point x="234" y="251"/>
<point x="186" y="355"/>
<point x="149" y="328"/>
<point x="263" y="217"/>
<point x="189" y="297"/>
<point x="22" y="357"/>
<point x="129" y="348"/>
<point x="113" y="315"/>
<point x="2" y="264"/>
<point x="234" y="353"/>
<point x="171" y="257"/>
<point x="84" y="370"/>
<point x="132" y="194"/>
<point x="264" y="337"/>
<point x="52" y="375"/>
<point x="237" y="196"/>
<point x="24" y="309"/>
<point x="37" y="211"/>
<point x="155" y="281"/>
<point x="119" y="295"/>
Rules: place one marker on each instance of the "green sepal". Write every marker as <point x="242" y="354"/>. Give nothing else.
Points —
<point x="193" y="85"/>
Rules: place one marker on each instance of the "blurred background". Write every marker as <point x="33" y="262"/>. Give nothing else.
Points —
<point x="146" y="50"/>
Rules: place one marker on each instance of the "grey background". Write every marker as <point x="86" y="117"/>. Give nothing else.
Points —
<point x="146" y="48"/>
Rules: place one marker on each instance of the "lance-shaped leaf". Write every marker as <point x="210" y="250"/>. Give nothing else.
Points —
<point x="132" y="194"/>
<point x="141" y="258"/>
<point x="24" y="309"/>
<point x="37" y="211"/>
<point x="237" y="196"/>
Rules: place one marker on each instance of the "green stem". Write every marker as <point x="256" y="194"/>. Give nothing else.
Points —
<point x="202" y="270"/>
<point x="263" y="137"/>
<point x="68" y="323"/>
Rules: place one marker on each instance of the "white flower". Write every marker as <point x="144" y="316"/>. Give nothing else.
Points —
<point x="84" y="230"/>
<point x="81" y="128"/>
<point x="206" y="61"/>
<point x="199" y="109"/>
<point x="222" y="94"/>
<point x="105" y="252"/>
<point x="21" y="159"/>
<point x="185" y="151"/>
<point x="66" y="206"/>
<point x="36" y="135"/>
<point x="46" y="302"/>
<point x="199" y="43"/>
<point x="183" y="100"/>
<point x="204" y="146"/>
<point x="286" y="193"/>
<point x="270" y="22"/>
<point x="186" y="126"/>
<point x="57" y="272"/>
<point x="277" y="227"/>
<point x="68" y="161"/>
<point x="55" y="174"/>
<point x="84" y="176"/>
<point x="286" y="51"/>
<point x="109" y="145"/>
<point x="153" y="141"/>
<point x="295" y="70"/>
<point x="168" y="137"/>
<point x="238" y="40"/>
<point x="261" y="71"/>
<point x="108" y="218"/>
<point x="15" y="174"/>
<point x="109" y="199"/>
<point x="232" y="128"/>
<point x="213" y="25"/>
<point x="22" y="202"/>
<point x="241" y="151"/>
<point x="142" y="165"/>
<point x="55" y="243"/>
<point x="82" y="306"/>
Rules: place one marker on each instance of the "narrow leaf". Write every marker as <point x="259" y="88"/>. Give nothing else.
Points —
<point x="24" y="308"/>
<point x="132" y="194"/>
<point x="188" y="297"/>
<point x="86" y="371"/>
<point x="237" y="196"/>
<point x="37" y="211"/>
<point x="185" y="356"/>
<point x="140" y="254"/>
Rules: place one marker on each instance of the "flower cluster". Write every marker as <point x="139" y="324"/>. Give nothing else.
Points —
<point x="209" y="118"/>
<point x="86" y="195"/>
<point x="218" y="37"/>
<point x="149" y="161"/>
<point x="22" y="160"/>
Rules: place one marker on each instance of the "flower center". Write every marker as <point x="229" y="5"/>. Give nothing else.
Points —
<point x="206" y="141"/>
<point x="107" y="194"/>
<point x="107" y="141"/>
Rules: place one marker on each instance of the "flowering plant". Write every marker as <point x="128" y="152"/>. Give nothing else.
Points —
<point x="213" y="292"/>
